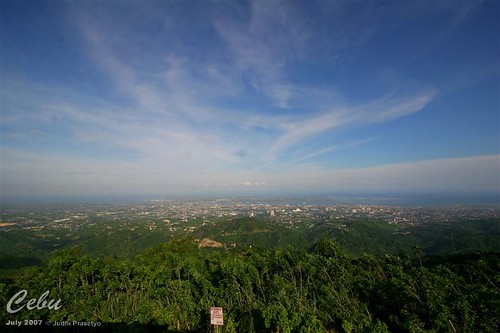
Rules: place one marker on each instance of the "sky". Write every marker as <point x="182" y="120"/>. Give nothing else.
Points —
<point x="249" y="97"/>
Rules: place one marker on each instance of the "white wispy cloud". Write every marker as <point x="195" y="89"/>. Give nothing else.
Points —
<point x="378" y="111"/>
<point x="249" y="183"/>
<point x="262" y="45"/>
<point x="309" y="153"/>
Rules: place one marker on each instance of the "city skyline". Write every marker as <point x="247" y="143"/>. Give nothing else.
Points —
<point x="249" y="97"/>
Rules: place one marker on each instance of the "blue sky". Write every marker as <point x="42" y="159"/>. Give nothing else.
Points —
<point x="200" y="97"/>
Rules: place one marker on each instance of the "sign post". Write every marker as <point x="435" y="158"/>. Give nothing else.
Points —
<point x="216" y="317"/>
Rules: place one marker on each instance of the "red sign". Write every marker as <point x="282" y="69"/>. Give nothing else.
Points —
<point x="216" y="316"/>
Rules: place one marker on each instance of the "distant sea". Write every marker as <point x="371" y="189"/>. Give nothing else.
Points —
<point x="387" y="199"/>
<point x="421" y="199"/>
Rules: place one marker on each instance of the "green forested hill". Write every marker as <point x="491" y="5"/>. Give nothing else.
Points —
<point x="320" y="289"/>
<point x="21" y="248"/>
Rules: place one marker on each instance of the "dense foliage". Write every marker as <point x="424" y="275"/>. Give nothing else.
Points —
<point x="321" y="289"/>
<point x="21" y="248"/>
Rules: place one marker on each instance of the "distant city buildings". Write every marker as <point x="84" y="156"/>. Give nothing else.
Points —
<point x="188" y="215"/>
